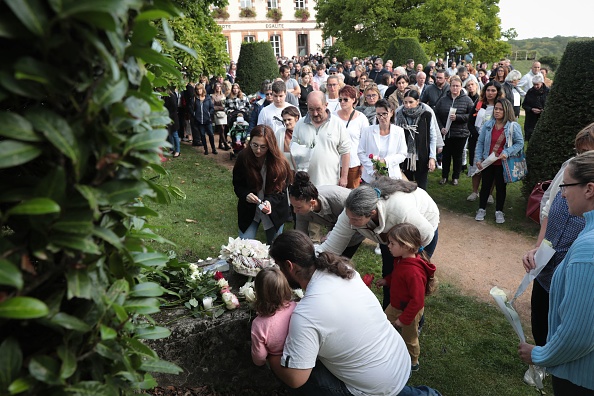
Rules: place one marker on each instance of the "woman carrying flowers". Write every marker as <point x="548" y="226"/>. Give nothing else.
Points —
<point x="383" y="141"/>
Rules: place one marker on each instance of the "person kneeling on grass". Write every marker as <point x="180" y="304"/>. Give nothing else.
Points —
<point x="339" y="340"/>
<point x="408" y="285"/>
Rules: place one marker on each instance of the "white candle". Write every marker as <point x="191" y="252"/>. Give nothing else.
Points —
<point x="207" y="302"/>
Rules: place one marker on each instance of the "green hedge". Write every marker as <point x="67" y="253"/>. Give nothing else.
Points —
<point x="402" y="49"/>
<point x="255" y="64"/>
<point x="568" y="110"/>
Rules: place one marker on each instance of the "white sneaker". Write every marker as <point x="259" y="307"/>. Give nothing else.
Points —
<point x="472" y="197"/>
<point x="480" y="215"/>
<point x="499" y="217"/>
<point x="490" y="200"/>
<point x="378" y="251"/>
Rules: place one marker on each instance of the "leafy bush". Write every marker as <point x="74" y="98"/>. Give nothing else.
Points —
<point x="255" y="64"/>
<point x="80" y="122"/>
<point x="404" y="48"/>
<point x="567" y="111"/>
<point x="551" y="61"/>
<point x="247" y="13"/>
<point x="275" y="14"/>
<point x="220" y="13"/>
<point x="302" y="13"/>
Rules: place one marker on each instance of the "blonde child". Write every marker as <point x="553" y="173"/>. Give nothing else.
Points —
<point x="408" y="285"/>
<point x="274" y="308"/>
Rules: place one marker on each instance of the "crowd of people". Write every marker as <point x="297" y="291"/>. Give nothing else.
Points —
<point x="344" y="149"/>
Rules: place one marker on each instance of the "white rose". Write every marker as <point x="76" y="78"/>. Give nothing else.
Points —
<point x="230" y="300"/>
<point x="222" y="283"/>
<point x="250" y="295"/>
<point x="298" y="293"/>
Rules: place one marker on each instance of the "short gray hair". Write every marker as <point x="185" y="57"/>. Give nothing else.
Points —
<point x="513" y="76"/>
<point x="363" y="199"/>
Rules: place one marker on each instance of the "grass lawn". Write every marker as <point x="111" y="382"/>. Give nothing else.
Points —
<point x="467" y="347"/>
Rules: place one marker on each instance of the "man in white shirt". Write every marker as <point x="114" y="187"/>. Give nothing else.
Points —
<point x="271" y="114"/>
<point x="421" y="78"/>
<point x="526" y="81"/>
<point x="328" y="140"/>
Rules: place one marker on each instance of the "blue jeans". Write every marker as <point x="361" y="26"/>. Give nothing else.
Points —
<point x="173" y="138"/>
<point x="322" y="382"/>
<point x="250" y="232"/>
<point x="388" y="263"/>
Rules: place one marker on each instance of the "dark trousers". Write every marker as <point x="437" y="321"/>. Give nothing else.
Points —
<point x="206" y="129"/>
<point x="453" y="150"/>
<point x="388" y="263"/>
<point x="563" y="387"/>
<point x="196" y="138"/>
<point x="539" y="316"/>
<point x="350" y="250"/>
<point x="419" y="175"/>
<point x="493" y="174"/>
<point x="321" y="382"/>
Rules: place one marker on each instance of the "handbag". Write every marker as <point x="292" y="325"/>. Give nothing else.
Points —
<point x="220" y="114"/>
<point x="533" y="205"/>
<point x="514" y="167"/>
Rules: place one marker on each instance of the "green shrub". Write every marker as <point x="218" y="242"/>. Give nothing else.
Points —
<point x="220" y="13"/>
<point x="275" y="14"/>
<point x="302" y="13"/>
<point x="568" y="109"/>
<point x="247" y="13"/>
<point x="255" y="64"/>
<point x="80" y="122"/>
<point x="402" y="49"/>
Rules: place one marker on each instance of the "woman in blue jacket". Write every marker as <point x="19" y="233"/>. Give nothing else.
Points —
<point x="204" y="114"/>
<point x="501" y="135"/>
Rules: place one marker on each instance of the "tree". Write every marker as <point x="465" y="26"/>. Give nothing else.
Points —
<point x="440" y="25"/>
<point x="80" y="124"/>
<point x="567" y="111"/>
<point x="402" y="49"/>
<point x="198" y="30"/>
<point x="255" y="64"/>
<point x="551" y="61"/>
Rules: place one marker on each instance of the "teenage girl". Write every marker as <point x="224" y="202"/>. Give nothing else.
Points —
<point x="408" y="285"/>
<point x="274" y="308"/>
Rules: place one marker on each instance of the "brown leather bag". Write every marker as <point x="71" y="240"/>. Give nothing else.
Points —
<point x="533" y="206"/>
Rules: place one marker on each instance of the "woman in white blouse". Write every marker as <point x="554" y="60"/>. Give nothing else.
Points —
<point x="384" y="140"/>
<point x="354" y="122"/>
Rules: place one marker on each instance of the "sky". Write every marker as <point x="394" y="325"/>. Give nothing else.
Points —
<point x="547" y="18"/>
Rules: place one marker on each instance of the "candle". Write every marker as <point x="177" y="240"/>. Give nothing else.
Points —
<point x="207" y="302"/>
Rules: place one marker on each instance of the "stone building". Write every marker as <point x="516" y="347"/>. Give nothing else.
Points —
<point x="289" y="25"/>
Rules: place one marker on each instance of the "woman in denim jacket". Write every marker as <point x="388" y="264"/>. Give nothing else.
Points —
<point x="501" y="135"/>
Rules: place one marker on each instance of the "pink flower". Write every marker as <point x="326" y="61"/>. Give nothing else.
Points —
<point x="230" y="300"/>
<point x="367" y="279"/>
<point x="370" y="156"/>
<point x="218" y="275"/>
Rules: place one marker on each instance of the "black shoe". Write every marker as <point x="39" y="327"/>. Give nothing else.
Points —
<point x="215" y="152"/>
<point x="206" y="152"/>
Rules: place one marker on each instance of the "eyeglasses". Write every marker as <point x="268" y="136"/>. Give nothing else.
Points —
<point x="269" y="94"/>
<point x="257" y="146"/>
<point x="563" y="187"/>
<point x="371" y="96"/>
<point x="343" y="99"/>
<point x="382" y="115"/>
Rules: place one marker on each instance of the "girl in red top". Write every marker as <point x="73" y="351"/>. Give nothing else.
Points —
<point x="408" y="285"/>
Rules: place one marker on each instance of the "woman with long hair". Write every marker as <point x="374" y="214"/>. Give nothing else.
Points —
<point x="454" y="137"/>
<point x="384" y="141"/>
<point x="501" y="135"/>
<point x="354" y="122"/>
<point x="218" y="98"/>
<point x="260" y="179"/>
<point x="203" y="114"/>
<point x="568" y="354"/>
<point x="483" y="112"/>
<point x="290" y="116"/>
<point x="237" y="103"/>
<point x="401" y="84"/>
<point x="420" y="142"/>
<point x="306" y="89"/>
<point x="373" y="209"/>
<point x="320" y="206"/>
<point x="500" y="74"/>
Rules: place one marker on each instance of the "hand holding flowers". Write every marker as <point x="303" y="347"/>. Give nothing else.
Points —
<point x="379" y="165"/>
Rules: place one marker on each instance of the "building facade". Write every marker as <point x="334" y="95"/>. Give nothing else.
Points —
<point x="289" y="25"/>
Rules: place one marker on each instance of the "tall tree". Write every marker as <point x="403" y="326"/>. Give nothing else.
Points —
<point x="440" y="25"/>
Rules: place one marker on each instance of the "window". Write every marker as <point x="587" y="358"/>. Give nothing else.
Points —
<point x="300" y="4"/>
<point x="302" y="45"/>
<point x="245" y="3"/>
<point x="249" y="39"/>
<point x="275" y="40"/>
<point x="227" y="44"/>
<point x="272" y="4"/>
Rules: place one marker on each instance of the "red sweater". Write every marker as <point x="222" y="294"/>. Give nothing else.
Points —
<point x="408" y="283"/>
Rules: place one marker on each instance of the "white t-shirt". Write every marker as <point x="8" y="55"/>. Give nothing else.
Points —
<point x="271" y="116"/>
<point x="354" y="131"/>
<point x="341" y="322"/>
<point x="333" y="104"/>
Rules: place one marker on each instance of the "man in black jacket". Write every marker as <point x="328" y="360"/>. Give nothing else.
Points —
<point x="378" y="71"/>
<point x="188" y="102"/>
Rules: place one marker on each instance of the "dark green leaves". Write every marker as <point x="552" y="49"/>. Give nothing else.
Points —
<point x="13" y="126"/>
<point x="35" y="206"/>
<point x="11" y="359"/>
<point x="31" y="13"/>
<point x="22" y="308"/>
<point x="16" y="153"/>
<point x="10" y="275"/>
<point x="56" y="129"/>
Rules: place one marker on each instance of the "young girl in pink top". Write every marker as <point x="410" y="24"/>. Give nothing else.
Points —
<point x="274" y="308"/>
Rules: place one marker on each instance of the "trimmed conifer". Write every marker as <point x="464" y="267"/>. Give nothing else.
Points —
<point x="568" y="109"/>
<point x="255" y="64"/>
<point x="404" y="48"/>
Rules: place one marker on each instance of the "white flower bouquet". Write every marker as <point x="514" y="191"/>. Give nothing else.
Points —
<point x="248" y="256"/>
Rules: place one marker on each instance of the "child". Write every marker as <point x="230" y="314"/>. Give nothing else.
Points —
<point x="408" y="285"/>
<point x="274" y="308"/>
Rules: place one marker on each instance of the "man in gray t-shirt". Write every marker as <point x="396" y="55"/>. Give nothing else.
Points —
<point x="291" y="84"/>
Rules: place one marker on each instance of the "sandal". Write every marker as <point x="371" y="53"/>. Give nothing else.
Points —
<point x="176" y="155"/>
